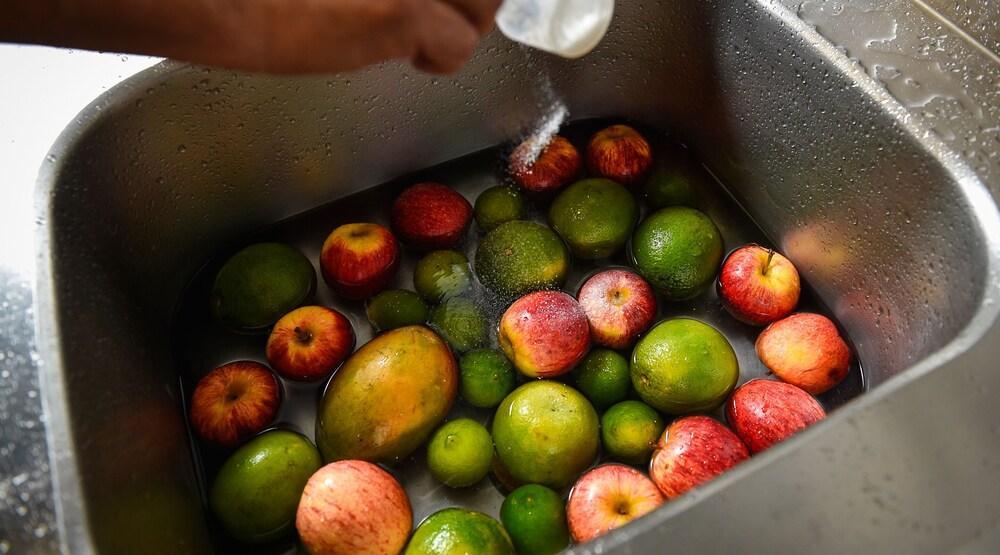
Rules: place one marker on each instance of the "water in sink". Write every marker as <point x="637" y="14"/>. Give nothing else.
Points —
<point x="200" y="344"/>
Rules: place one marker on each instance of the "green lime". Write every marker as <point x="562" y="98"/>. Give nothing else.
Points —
<point x="678" y="250"/>
<point x="460" y="322"/>
<point x="497" y="205"/>
<point x="519" y="256"/>
<point x="683" y="365"/>
<point x="257" y="490"/>
<point x="487" y="377"/>
<point x="459" y="453"/>
<point x="535" y="518"/>
<point x="260" y="284"/>
<point x="603" y="377"/>
<point x="545" y="432"/>
<point x="595" y="217"/>
<point x="630" y="430"/>
<point x="395" y="308"/>
<point x="675" y="181"/>
<point x="442" y="275"/>
<point x="457" y="531"/>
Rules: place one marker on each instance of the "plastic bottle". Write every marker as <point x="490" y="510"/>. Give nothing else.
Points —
<point x="569" y="28"/>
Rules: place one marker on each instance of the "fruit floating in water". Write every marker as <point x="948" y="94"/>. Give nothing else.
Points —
<point x="621" y="153"/>
<point x="353" y="507"/>
<point x="259" y="284"/>
<point x="387" y="397"/>
<point x="431" y="216"/>
<point x="544" y="169"/>
<point x="608" y="497"/>
<point x="678" y="250"/>
<point x="519" y="257"/>
<point x="459" y="453"/>
<point x="486" y="377"/>
<point x="457" y="531"/>
<point x="676" y="180"/>
<point x="595" y="217"/>
<point x="359" y="260"/>
<point x="545" y="334"/>
<point x="395" y="308"/>
<point x="630" y="430"/>
<point x="692" y="451"/>
<point x="497" y="205"/>
<point x="603" y="377"/>
<point x="545" y="433"/>
<point x="309" y="342"/>
<point x="758" y="285"/>
<point x="805" y="350"/>
<point x="620" y="306"/>
<point x="765" y="412"/>
<point x="234" y="402"/>
<point x="683" y="366"/>
<point x="441" y="275"/>
<point x="257" y="490"/>
<point x="535" y="518"/>
<point x="461" y="323"/>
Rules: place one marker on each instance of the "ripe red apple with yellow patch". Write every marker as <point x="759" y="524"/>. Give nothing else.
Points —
<point x="544" y="168"/>
<point x="309" y="342"/>
<point x="545" y="334"/>
<point x="758" y="285"/>
<point x="619" y="305"/>
<point x="621" y="153"/>
<point x="692" y="451"/>
<point x="358" y="260"/>
<point x="430" y="216"/>
<point x="608" y="497"/>
<point x="234" y="402"/>
<point x="805" y="350"/>
<point x="353" y="507"/>
<point x="765" y="412"/>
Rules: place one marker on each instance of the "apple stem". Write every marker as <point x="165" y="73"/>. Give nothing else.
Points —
<point x="770" y="255"/>
<point x="302" y="335"/>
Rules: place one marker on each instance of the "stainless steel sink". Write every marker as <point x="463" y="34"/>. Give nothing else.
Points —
<point x="893" y="231"/>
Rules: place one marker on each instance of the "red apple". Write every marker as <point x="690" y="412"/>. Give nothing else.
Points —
<point x="758" y="286"/>
<point x="692" y="451"/>
<point x="353" y="507"/>
<point x="619" y="305"/>
<point x="358" y="260"/>
<point x="431" y="216"/>
<point x="543" y="168"/>
<point x="309" y="342"/>
<point x="765" y="412"/>
<point x="805" y="350"/>
<point x="545" y="334"/>
<point x="608" y="497"/>
<point x="234" y="402"/>
<point x="619" y="153"/>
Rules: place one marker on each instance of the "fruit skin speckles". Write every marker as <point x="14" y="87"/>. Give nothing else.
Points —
<point x="545" y="334"/>
<point x="359" y="260"/>
<point x="805" y="350"/>
<point x="555" y="166"/>
<point x="766" y="412"/>
<point x="608" y="497"/>
<point x="620" y="306"/>
<point x="234" y="402"/>
<point x="621" y="153"/>
<point x="353" y="507"/>
<point x="431" y="216"/>
<point x="308" y="343"/>
<point x="692" y="451"/>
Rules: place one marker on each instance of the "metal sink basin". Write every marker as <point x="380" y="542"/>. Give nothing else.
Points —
<point x="892" y="230"/>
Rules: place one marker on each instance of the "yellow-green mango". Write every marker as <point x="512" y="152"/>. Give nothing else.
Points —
<point x="388" y="397"/>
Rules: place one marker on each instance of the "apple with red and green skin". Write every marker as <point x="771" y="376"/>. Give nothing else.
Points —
<point x="805" y="350"/>
<point x="353" y="507"/>
<point x="234" y="402"/>
<point x="309" y="342"/>
<point x="552" y="168"/>
<point x="620" y="305"/>
<point x="608" y="497"/>
<point x="758" y="285"/>
<point x="431" y="216"/>
<point x="620" y="153"/>
<point x="358" y="260"/>
<point x="764" y="412"/>
<point x="545" y="334"/>
<point x="692" y="451"/>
